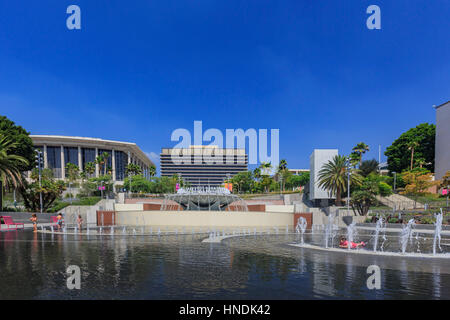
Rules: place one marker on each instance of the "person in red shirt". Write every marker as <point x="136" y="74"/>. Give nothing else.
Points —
<point x="344" y="244"/>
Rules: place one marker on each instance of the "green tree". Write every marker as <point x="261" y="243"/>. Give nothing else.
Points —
<point x="363" y="195"/>
<point x="265" y="168"/>
<point x="152" y="171"/>
<point x="51" y="190"/>
<point x="10" y="165"/>
<point x="333" y="177"/>
<point x="367" y="167"/>
<point x="89" y="169"/>
<point x="132" y="169"/>
<point x="72" y="175"/>
<point x="295" y="181"/>
<point x="139" y="184"/>
<point x="360" y="149"/>
<point x="243" y="181"/>
<point x="399" y="155"/>
<point x="21" y="143"/>
<point x="418" y="181"/>
<point x="412" y="145"/>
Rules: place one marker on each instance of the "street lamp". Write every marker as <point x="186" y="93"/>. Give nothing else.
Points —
<point x="348" y="187"/>
<point x="39" y="166"/>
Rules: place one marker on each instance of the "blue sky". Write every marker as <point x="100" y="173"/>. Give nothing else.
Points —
<point x="137" y="70"/>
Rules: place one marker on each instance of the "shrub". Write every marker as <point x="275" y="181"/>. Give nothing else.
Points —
<point x="427" y="220"/>
<point x="385" y="189"/>
<point x="393" y="220"/>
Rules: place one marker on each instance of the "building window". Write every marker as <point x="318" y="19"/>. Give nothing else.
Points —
<point x="87" y="155"/>
<point x="54" y="160"/>
<point x="70" y="156"/>
<point x="121" y="160"/>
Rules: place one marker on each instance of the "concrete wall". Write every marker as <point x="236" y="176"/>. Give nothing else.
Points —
<point x="442" y="140"/>
<point x="129" y="207"/>
<point x="271" y="208"/>
<point x="205" y="218"/>
<point x="320" y="218"/>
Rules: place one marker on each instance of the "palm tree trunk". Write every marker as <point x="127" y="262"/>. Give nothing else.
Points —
<point x="338" y="197"/>
<point x="412" y="157"/>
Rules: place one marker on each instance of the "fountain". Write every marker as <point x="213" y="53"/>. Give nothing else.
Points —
<point x="301" y="227"/>
<point x="351" y="231"/>
<point x="406" y="234"/>
<point x="380" y="227"/>
<point x="329" y="228"/>
<point x="437" y="232"/>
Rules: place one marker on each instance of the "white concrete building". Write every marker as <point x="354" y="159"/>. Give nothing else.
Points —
<point x="58" y="151"/>
<point x="442" y="150"/>
<point x="317" y="159"/>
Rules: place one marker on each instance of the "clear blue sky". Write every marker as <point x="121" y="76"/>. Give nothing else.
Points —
<point x="137" y="70"/>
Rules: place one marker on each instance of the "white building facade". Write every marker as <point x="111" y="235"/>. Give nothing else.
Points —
<point x="442" y="150"/>
<point x="58" y="151"/>
<point x="318" y="158"/>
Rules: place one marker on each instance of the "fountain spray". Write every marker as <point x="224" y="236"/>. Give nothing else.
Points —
<point x="437" y="232"/>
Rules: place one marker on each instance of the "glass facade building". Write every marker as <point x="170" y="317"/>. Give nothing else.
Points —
<point x="87" y="155"/>
<point x="58" y="151"/>
<point x="121" y="161"/>
<point x="54" y="160"/>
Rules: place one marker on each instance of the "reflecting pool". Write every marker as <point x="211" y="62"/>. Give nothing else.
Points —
<point x="33" y="266"/>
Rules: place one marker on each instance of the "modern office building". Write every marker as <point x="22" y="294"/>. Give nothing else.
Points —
<point x="318" y="195"/>
<point x="203" y="165"/>
<point x="442" y="156"/>
<point x="58" y="151"/>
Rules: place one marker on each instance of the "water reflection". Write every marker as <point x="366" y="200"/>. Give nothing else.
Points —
<point x="181" y="267"/>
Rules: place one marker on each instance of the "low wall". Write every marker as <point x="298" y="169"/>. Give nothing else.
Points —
<point x="280" y="208"/>
<point x="129" y="207"/>
<point x="205" y="218"/>
<point x="320" y="218"/>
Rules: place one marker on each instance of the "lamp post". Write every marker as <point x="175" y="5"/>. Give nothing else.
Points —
<point x="348" y="187"/>
<point x="395" y="180"/>
<point x="39" y="166"/>
<point x="448" y="186"/>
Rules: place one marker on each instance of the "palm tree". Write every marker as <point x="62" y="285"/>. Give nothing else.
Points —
<point x="257" y="173"/>
<point x="283" y="165"/>
<point x="360" y="149"/>
<point x="152" y="171"/>
<point x="265" y="168"/>
<point x="333" y="177"/>
<point x="100" y="161"/>
<point x="89" y="169"/>
<point x="420" y="162"/>
<point x="411" y="146"/>
<point x="9" y="165"/>
<point x="105" y="156"/>
<point x="368" y="166"/>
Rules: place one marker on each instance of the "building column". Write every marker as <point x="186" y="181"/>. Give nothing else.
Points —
<point x="113" y="164"/>
<point x="45" y="157"/>
<point x="96" y="164"/>
<point x="63" y="169"/>
<point x="80" y="165"/>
